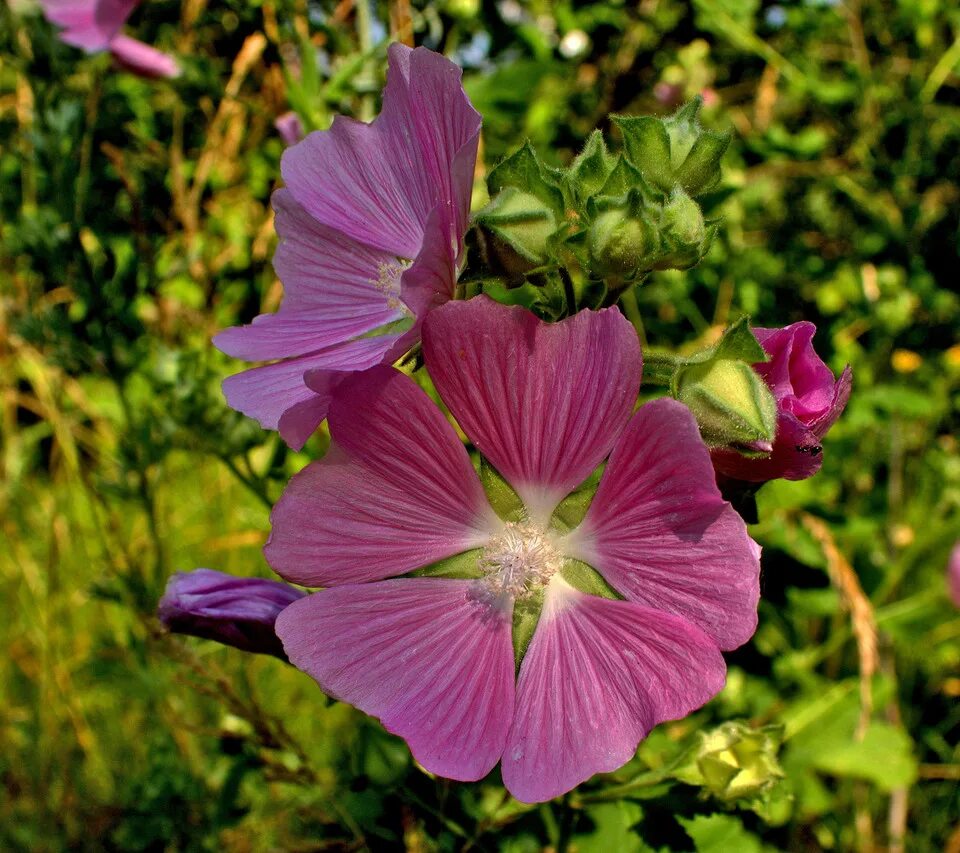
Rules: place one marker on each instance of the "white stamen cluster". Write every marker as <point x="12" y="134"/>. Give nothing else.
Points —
<point x="520" y="560"/>
<point x="388" y="281"/>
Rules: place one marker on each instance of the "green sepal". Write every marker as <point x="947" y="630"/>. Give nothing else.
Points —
<point x="701" y="169"/>
<point x="675" y="152"/>
<point x="589" y="171"/>
<point x="504" y="500"/>
<point x="524" y="171"/>
<point x="396" y="327"/>
<point x="623" y="178"/>
<point x="524" y="223"/>
<point x="571" y="511"/>
<point x="526" y="615"/>
<point x="647" y="146"/>
<point x="465" y="565"/>
<point x="737" y="341"/>
<point x="730" y="401"/>
<point x="587" y="579"/>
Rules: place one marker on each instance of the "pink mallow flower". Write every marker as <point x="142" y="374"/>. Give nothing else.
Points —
<point x="432" y="656"/>
<point x="94" y="26"/>
<point x="238" y="612"/>
<point x="371" y="227"/>
<point x="809" y="401"/>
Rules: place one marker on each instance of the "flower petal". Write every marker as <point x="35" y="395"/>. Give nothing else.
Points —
<point x="378" y="183"/>
<point x="395" y="492"/>
<point x="267" y="393"/>
<point x="838" y="402"/>
<point x="544" y="402"/>
<point x="428" y="658"/>
<point x="796" y="455"/>
<point x="142" y="59"/>
<point x="597" y="676"/>
<point x="88" y="24"/>
<point x="661" y="534"/>
<point x="239" y="612"/>
<point x="322" y="268"/>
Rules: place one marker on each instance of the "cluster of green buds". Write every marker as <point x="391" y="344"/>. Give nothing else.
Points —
<point x="734" y="761"/>
<point x="615" y="218"/>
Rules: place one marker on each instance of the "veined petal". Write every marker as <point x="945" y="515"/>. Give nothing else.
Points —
<point x="544" y="402"/>
<point x="141" y="58"/>
<point x="796" y="455"/>
<point x="88" y="24"/>
<point x="425" y="655"/>
<point x="432" y="279"/>
<point x="378" y="183"/>
<point x="395" y="492"/>
<point x="661" y="534"/>
<point x="267" y="393"/>
<point x="292" y="332"/>
<point x="597" y="676"/>
<point x="323" y="269"/>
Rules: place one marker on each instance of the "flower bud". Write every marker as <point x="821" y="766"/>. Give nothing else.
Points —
<point x="685" y="233"/>
<point x="731" y="403"/>
<point x="734" y="761"/>
<point x="674" y="152"/>
<point x="519" y="226"/>
<point x="238" y="612"/>
<point x="808" y="399"/>
<point x="623" y="246"/>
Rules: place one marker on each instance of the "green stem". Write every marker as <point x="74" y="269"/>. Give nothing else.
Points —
<point x="631" y="307"/>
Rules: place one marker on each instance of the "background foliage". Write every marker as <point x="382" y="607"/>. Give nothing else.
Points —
<point x="136" y="222"/>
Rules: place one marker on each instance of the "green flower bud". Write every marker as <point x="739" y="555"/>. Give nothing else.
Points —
<point x="622" y="246"/>
<point x="674" y="152"/>
<point x="734" y="761"/>
<point x="731" y="403"/>
<point x="686" y="236"/>
<point x="519" y="227"/>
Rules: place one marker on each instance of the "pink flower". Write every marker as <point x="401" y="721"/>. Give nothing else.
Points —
<point x="371" y="225"/>
<point x="289" y="127"/>
<point x="809" y="401"/>
<point x="953" y="574"/>
<point x="94" y="26"/>
<point x="238" y="612"/>
<point x="432" y="656"/>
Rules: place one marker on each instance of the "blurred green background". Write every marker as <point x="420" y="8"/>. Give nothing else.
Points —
<point x="136" y="223"/>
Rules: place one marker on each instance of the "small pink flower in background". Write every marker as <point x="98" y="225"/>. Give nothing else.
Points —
<point x="432" y="657"/>
<point x="238" y="612"/>
<point x="94" y="26"/>
<point x="289" y="127"/>
<point x="809" y="401"/>
<point x="953" y="574"/>
<point x="371" y="227"/>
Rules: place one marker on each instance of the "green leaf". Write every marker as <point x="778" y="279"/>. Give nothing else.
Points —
<point x="884" y="757"/>
<point x="613" y="828"/>
<point x="720" y="833"/>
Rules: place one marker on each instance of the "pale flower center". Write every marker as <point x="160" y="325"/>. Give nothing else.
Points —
<point x="388" y="282"/>
<point x="520" y="560"/>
